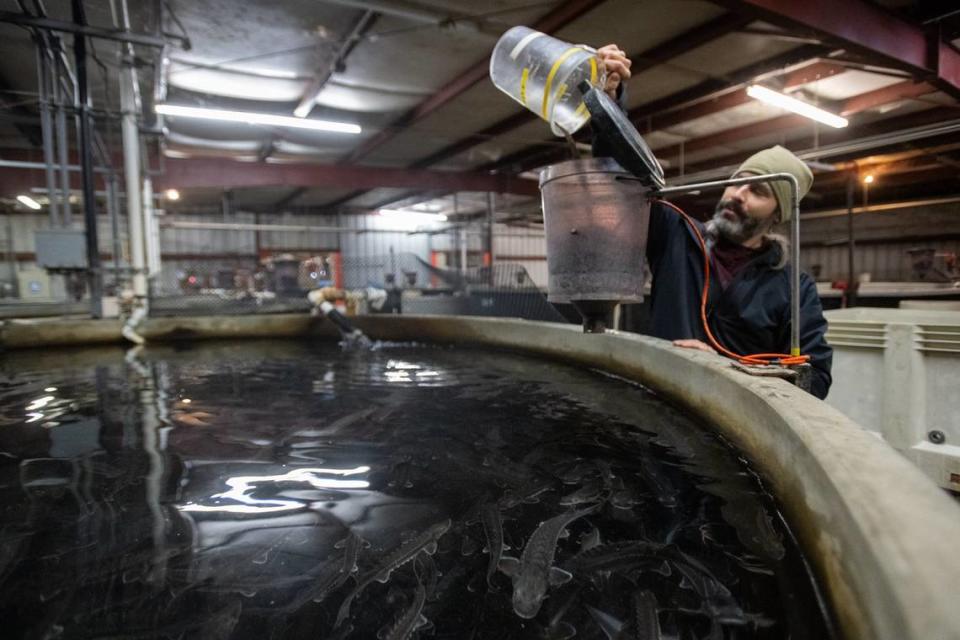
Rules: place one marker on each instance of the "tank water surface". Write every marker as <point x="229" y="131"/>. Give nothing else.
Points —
<point x="295" y="490"/>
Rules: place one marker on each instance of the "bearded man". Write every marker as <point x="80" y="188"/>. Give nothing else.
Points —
<point x="748" y="303"/>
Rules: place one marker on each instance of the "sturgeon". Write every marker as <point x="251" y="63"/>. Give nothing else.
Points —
<point x="533" y="574"/>
<point x="426" y="541"/>
<point x="411" y="619"/>
<point x="493" y="528"/>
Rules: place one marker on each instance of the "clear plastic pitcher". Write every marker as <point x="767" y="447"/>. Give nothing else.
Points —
<point x="542" y="74"/>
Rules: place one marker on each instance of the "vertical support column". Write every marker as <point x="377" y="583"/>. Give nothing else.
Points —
<point x="131" y="174"/>
<point x="150" y="231"/>
<point x="45" y="87"/>
<point x="852" y="283"/>
<point x="112" y="211"/>
<point x="489" y="236"/>
<point x="63" y="149"/>
<point x="94" y="276"/>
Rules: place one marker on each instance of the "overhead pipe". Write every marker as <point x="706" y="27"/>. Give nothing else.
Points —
<point x="849" y="147"/>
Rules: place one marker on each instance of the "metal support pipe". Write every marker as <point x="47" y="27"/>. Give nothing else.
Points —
<point x="489" y="236"/>
<point x="131" y="174"/>
<point x="150" y="231"/>
<point x="63" y="149"/>
<point x="794" y="236"/>
<point x="130" y="108"/>
<point x="852" y="283"/>
<point x="94" y="275"/>
<point x="44" y="86"/>
<point x="113" y="212"/>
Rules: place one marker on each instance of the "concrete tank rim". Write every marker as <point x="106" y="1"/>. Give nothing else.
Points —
<point x="877" y="530"/>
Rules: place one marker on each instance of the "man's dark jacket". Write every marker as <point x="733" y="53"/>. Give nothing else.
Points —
<point x="752" y="315"/>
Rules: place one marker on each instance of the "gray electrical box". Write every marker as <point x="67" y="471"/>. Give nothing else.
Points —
<point x="61" y="249"/>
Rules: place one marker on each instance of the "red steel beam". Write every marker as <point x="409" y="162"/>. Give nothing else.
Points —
<point x="867" y="28"/>
<point x="228" y="174"/>
<point x="555" y="20"/>
<point x="216" y="172"/>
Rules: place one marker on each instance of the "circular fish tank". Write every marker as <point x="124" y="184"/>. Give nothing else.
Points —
<point x="464" y="478"/>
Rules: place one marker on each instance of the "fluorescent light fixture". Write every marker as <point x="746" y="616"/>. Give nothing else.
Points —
<point x="171" y="194"/>
<point x="412" y="216"/>
<point x="797" y="106"/>
<point x="28" y="201"/>
<point x="250" y="117"/>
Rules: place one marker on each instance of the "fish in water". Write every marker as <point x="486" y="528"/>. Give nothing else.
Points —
<point x="589" y="492"/>
<point x="645" y="621"/>
<point x="590" y="540"/>
<point x="426" y="541"/>
<point x="411" y="619"/>
<point x="611" y="626"/>
<point x="493" y="528"/>
<point x="533" y="574"/>
<point x="616" y="556"/>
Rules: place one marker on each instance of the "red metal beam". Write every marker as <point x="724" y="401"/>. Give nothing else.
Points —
<point x="229" y="174"/>
<point x="886" y="95"/>
<point x="216" y="172"/>
<point x="819" y="70"/>
<point x="557" y="19"/>
<point x="864" y="27"/>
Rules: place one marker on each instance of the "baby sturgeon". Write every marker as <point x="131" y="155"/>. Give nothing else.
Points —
<point x="534" y="572"/>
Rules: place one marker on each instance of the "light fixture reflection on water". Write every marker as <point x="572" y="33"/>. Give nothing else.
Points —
<point x="50" y="389"/>
<point x="40" y="403"/>
<point x="401" y="371"/>
<point x="241" y="486"/>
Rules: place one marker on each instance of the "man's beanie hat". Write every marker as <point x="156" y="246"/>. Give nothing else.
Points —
<point x="779" y="160"/>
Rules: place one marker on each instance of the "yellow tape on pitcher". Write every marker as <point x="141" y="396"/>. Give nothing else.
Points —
<point x="524" y="76"/>
<point x="553" y="72"/>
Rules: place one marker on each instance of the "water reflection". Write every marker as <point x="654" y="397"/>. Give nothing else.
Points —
<point x="241" y="489"/>
<point x="287" y="490"/>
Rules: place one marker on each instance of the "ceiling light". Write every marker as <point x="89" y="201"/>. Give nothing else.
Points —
<point x="797" y="106"/>
<point x="413" y="216"/>
<point x="249" y="117"/>
<point x="868" y="179"/>
<point x="28" y="201"/>
<point x="171" y="194"/>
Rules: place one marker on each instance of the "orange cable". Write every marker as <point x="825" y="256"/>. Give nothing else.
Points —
<point x="752" y="359"/>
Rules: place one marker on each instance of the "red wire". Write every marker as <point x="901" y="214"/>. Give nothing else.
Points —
<point x="752" y="359"/>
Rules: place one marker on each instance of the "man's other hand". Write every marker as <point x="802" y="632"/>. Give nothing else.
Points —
<point x="617" y="65"/>
<point x="694" y="344"/>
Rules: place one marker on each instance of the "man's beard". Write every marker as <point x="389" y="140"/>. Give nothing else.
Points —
<point x="741" y="229"/>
